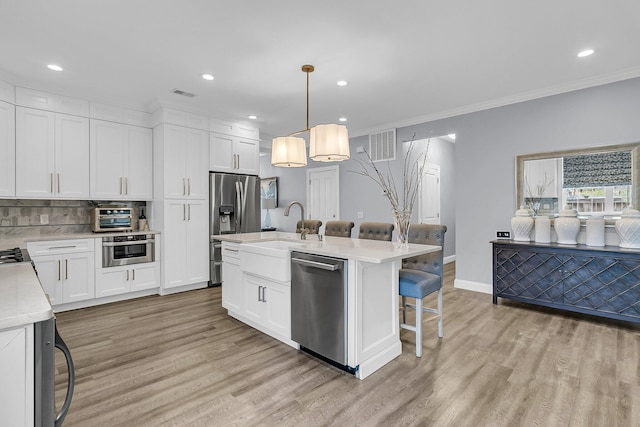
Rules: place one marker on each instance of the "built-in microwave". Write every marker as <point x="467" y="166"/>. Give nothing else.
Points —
<point x="128" y="249"/>
<point x="111" y="218"/>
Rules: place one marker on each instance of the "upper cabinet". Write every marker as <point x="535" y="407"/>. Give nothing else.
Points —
<point x="234" y="148"/>
<point x="52" y="155"/>
<point x="7" y="150"/>
<point x="121" y="161"/>
<point x="181" y="162"/>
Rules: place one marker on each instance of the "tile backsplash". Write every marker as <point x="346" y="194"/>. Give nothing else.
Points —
<point x="20" y="219"/>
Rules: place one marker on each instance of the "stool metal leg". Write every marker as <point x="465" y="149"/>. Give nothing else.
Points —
<point x="418" y="327"/>
<point x="404" y="309"/>
<point x="440" y="313"/>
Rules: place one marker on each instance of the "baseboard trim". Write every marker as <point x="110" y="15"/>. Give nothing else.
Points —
<point x="448" y="259"/>
<point x="484" y="288"/>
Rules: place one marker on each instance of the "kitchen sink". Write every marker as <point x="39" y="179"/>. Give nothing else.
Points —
<point x="279" y="248"/>
<point x="268" y="259"/>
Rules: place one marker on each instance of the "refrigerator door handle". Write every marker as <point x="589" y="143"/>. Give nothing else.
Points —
<point x="239" y="207"/>
<point x="243" y="196"/>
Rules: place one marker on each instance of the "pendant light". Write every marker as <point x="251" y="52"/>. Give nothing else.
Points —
<point x="327" y="143"/>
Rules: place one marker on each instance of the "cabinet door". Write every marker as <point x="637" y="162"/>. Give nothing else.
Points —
<point x="107" y="158"/>
<point x="50" y="271"/>
<point x="71" y="157"/>
<point x="232" y="285"/>
<point x="175" y="244"/>
<point x="197" y="252"/>
<point x="139" y="163"/>
<point x="144" y="276"/>
<point x="532" y="275"/>
<point x="221" y="153"/>
<point x="254" y="308"/>
<point x="7" y="150"/>
<point x="79" y="281"/>
<point x="35" y="133"/>
<point x="111" y="281"/>
<point x="16" y="371"/>
<point x="248" y="156"/>
<point x="175" y="181"/>
<point x="277" y="298"/>
<point x="197" y="164"/>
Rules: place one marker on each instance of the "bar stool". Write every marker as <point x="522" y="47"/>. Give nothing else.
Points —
<point x="313" y="225"/>
<point x="421" y="276"/>
<point x="375" y="231"/>
<point x="338" y="228"/>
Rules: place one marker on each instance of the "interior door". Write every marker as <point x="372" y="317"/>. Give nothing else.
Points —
<point x="323" y="194"/>
<point x="429" y="203"/>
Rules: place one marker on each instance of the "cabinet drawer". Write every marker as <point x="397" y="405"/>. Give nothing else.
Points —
<point x="60" y="246"/>
<point x="230" y="250"/>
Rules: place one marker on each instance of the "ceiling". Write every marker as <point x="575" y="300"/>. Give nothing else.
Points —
<point x="406" y="61"/>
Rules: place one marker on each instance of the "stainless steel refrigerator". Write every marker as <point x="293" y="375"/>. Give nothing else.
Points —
<point x="234" y="203"/>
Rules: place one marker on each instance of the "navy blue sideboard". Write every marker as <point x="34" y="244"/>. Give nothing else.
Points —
<point x="599" y="281"/>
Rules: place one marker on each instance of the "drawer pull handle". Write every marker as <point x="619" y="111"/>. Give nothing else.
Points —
<point x="59" y="268"/>
<point x="66" y="269"/>
<point x="63" y="247"/>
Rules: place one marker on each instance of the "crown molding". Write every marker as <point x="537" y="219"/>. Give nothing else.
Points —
<point x="586" y="83"/>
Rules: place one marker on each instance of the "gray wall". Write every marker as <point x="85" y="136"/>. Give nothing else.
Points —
<point x="483" y="181"/>
<point x="359" y="193"/>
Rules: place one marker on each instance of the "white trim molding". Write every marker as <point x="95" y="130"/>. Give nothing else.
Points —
<point x="484" y="288"/>
<point x="450" y="258"/>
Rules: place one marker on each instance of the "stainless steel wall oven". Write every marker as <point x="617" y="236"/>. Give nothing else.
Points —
<point x="128" y="249"/>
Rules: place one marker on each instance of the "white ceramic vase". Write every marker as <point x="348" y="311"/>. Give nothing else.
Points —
<point x="521" y="225"/>
<point x="542" y="229"/>
<point x="595" y="231"/>
<point x="628" y="228"/>
<point x="567" y="227"/>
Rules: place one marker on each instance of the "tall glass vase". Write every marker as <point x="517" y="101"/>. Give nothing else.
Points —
<point x="402" y="222"/>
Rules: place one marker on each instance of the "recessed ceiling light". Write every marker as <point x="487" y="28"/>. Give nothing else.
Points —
<point x="252" y="117"/>
<point x="207" y="76"/>
<point x="343" y="119"/>
<point x="452" y="136"/>
<point x="342" y="83"/>
<point x="585" y="52"/>
<point x="54" y="67"/>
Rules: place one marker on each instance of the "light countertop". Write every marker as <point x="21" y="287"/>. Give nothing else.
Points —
<point x="22" y="300"/>
<point x="374" y="251"/>
<point x="70" y="236"/>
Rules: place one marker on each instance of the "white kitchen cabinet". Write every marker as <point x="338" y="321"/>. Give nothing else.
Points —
<point x="52" y="155"/>
<point x="125" y="279"/>
<point x="121" y="161"/>
<point x="7" y="150"/>
<point x="16" y="371"/>
<point x="232" y="293"/>
<point x="234" y="154"/>
<point x="185" y="242"/>
<point x="66" y="269"/>
<point x="181" y="162"/>
<point x="267" y="303"/>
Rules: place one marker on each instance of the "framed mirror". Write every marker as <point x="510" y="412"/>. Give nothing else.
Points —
<point x="269" y="193"/>
<point x="599" y="180"/>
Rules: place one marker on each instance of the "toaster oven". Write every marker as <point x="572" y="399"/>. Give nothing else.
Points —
<point x="111" y="218"/>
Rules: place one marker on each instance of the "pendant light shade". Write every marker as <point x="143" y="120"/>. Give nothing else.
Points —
<point x="329" y="143"/>
<point x="288" y="152"/>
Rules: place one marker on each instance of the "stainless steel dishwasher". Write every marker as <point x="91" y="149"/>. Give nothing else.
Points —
<point x="319" y="306"/>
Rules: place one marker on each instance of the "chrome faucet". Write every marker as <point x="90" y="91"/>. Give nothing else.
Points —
<point x="303" y="234"/>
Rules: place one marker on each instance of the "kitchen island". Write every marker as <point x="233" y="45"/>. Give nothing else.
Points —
<point x="252" y="264"/>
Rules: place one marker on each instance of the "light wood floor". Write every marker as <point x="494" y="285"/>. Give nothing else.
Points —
<point x="180" y="360"/>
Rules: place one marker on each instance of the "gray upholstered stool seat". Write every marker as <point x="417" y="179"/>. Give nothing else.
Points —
<point x="313" y="225"/>
<point x="338" y="228"/>
<point x="375" y="231"/>
<point x="421" y="276"/>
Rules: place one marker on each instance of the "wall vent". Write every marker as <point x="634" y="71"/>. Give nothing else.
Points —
<point x="183" y="93"/>
<point x="382" y="145"/>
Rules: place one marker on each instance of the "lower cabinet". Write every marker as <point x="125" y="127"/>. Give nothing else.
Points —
<point x="16" y="372"/>
<point x="604" y="282"/>
<point x="129" y="278"/>
<point x="232" y="298"/>
<point x="268" y="303"/>
<point x="67" y="270"/>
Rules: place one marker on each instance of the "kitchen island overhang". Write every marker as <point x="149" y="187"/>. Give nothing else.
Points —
<point x="373" y="327"/>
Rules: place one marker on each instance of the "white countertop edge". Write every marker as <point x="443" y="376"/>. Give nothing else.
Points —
<point x="71" y="236"/>
<point x="372" y="251"/>
<point x="22" y="299"/>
